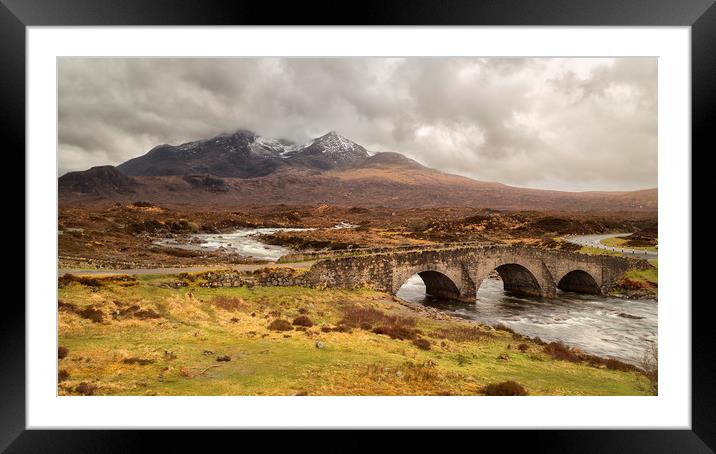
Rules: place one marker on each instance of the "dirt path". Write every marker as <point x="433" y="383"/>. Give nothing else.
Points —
<point x="177" y="270"/>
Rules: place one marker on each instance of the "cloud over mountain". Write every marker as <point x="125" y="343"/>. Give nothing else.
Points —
<point x="571" y="124"/>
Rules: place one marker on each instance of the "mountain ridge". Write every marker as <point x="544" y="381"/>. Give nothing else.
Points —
<point x="245" y="168"/>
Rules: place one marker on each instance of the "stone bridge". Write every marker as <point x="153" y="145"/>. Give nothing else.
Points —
<point x="457" y="272"/>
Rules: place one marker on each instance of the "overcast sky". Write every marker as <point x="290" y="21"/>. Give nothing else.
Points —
<point x="568" y="124"/>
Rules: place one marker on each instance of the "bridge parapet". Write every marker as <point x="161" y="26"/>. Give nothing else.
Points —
<point x="456" y="272"/>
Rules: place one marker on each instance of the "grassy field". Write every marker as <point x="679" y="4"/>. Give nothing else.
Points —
<point x="650" y="275"/>
<point x="596" y="251"/>
<point x="143" y="337"/>
<point x="622" y="242"/>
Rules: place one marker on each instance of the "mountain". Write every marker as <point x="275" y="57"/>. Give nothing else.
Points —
<point x="101" y="180"/>
<point x="244" y="168"/>
<point x="239" y="155"/>
<point x="244" y="154"/>
<point x="330" y="151"/>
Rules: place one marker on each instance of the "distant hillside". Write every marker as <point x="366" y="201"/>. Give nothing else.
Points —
<point x="244" y="168"/>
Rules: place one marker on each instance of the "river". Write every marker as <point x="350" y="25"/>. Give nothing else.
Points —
<point x="592" y="323"/>
<point x="589" y="322"/>
<point x="244" y="242"/>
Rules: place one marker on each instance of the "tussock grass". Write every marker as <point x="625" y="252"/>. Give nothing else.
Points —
<point x="353" y="360"/>
<point x="228" y="303"/>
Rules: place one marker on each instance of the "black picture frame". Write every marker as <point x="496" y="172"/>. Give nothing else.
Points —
<point x="16" y="15"/>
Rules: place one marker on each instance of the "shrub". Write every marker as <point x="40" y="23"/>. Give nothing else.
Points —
<point x="66" y="307"/>
<point x="228" y="303"/>
<point x="302" y="320"/>
<point x="96" y="282"/>
<point x="145" y="314"/>
<point x="62" y="375"/>
<point x="62" y="352"/>
<point x="355" y="316"/>
<point x="461" y="333"/>
<point x="92" y="313"/>
<point x="86" y="389"/>
<point x="523" y="347"/>
<point x="559" y="351"/>
<point x="422" y="344"/>
<point x="342" y="328"/>
<point x="505" y="388"/>
<point x="615" y="364"/>
<point x="140" y="361"/>
<point x="397" y="331"/>
<point x="501" y="327"/>
<point x="280" y="325"/>
<point x="133" y="311"/>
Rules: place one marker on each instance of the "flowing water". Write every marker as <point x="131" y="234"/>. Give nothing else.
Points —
<point x="599" y="325"/>
<point x="244" y="242"/>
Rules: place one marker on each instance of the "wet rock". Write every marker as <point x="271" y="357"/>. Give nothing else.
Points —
<point x="630" y="316"/>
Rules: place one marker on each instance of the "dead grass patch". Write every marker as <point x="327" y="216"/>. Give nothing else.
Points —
<point x="462" y="333"/>
<point x="228" y="303"/>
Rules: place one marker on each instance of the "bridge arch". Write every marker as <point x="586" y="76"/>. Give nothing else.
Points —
<point x="525" y="277"/>
<point x="579" y="281"/>
<point x="441" y="281"/>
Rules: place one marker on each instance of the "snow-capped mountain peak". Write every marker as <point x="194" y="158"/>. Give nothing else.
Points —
<point x="336" y="143"/>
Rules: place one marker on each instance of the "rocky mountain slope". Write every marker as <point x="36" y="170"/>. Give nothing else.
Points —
<point x="244" y="168"/>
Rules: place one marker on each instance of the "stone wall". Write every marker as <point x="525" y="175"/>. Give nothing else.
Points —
<point x="266" y="276"/>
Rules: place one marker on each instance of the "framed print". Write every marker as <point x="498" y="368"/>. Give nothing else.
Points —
<point x="442" y="216"/>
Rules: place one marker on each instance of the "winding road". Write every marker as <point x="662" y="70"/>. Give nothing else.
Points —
<point x="595" y="241"/>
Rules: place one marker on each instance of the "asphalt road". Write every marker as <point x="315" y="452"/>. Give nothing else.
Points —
<point x="595" y="241"/>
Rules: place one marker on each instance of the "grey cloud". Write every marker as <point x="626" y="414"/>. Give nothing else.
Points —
<point x="570" y="124"/>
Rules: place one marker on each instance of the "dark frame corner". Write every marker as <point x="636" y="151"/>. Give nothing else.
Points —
<point x="700" y="15"/>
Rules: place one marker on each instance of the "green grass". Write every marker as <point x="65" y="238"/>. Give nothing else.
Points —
<point x="650" y="275"/>
<point x="596" y="251"/>
<point x="265" y="362"/>
<point x="618" y="241"/>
